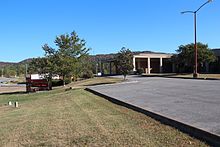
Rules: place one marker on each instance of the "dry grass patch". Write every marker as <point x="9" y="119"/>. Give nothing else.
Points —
<point x="95" y="81"/>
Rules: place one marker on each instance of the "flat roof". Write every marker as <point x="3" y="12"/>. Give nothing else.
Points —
<point x="153" y="55"/>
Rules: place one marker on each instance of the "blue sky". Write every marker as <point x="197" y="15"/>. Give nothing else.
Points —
<point x="106" y="25"/>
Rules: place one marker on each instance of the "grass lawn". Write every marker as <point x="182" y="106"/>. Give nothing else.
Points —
<point x="95" y="81"/>
<point x="79" y="118"/>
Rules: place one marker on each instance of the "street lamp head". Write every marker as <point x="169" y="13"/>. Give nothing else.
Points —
<point x="209" y="1"/>
<point x="187" y="12"/>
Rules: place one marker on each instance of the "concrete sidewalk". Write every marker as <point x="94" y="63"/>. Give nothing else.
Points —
<point x="195" y="103"/>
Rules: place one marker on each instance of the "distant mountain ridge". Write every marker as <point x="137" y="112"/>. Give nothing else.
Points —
<point x="3" y="64"/>
<point x="95" y="58"/>
<point x="26" y="61"/>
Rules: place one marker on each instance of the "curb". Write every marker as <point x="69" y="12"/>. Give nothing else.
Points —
<point x="213" y="79"/>
<point x="167" y="76"/>
<point x="209" y="138"/>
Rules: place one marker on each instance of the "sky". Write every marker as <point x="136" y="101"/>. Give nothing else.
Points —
<point x="106" y="25"/>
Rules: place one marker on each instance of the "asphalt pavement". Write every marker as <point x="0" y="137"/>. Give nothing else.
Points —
<point x="192" y="102"/>
<point x="3" y="79"/>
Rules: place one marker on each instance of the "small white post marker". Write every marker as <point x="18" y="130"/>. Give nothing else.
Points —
<point x="16" y="104"/>
<point x="9" y="103"/>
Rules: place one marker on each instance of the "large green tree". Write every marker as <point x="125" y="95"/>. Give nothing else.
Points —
<point x="64" y="59"/>
<point x="124" y="61"/>
<point x="185" y="56"/>
<point x="71" y="51"/>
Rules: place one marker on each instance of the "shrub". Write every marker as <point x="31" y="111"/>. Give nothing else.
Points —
<point x="140" y="71"/>
<point x="88" y="74"/>
<point x="68" y="80"/>
<point x="57" y="83"/>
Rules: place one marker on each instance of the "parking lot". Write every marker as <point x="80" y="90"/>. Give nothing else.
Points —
<point x="193" y="102"/>
<point x="10" y="88"/>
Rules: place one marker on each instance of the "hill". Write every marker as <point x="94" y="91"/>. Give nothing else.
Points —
<point x="96" y="58"/>
<point x="25" y="61"/>
<point x="3" y="64"/>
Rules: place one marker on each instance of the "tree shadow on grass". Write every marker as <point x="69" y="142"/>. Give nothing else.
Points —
<point x="13" y="93"/>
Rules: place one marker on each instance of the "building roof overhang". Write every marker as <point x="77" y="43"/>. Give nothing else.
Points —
<point x="152" y="55"/>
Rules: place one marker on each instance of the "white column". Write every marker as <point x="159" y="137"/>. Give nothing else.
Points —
<point x="134" y="64"/>
<point x="148" y="65"/>
<point x="161" y="64"/>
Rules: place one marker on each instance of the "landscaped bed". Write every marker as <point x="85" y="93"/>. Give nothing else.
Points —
<point x="76" y="117"/>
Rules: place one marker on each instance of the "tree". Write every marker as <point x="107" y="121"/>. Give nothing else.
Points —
<point x="20" y="69"/>
<point x="124" y="61"/>
<point x="65" y="58"/>
<point x="84" y="69"/>
<point x="71" y="50"/>
<point x="44" y="66"/>
<point x="9" y="71"/>
<point x="185" y="56"/>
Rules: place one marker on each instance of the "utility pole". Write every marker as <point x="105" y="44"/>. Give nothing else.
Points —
<point x="2" y="72"/>
<point x="27" y="83"/>
<point x="26" y="68"/>
<point x="97" y="68"/>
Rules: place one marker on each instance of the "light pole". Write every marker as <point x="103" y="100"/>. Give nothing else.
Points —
<point x="2" y="72"/>
<point x="26" y="68"/>
<point x="195" y="73"/>
<point x="97" y="68"/>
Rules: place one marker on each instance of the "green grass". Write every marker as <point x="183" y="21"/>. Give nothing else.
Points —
<point x="79" y="118"/>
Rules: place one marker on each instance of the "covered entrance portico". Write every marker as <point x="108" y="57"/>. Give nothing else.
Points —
<point x="153" y="63"/>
